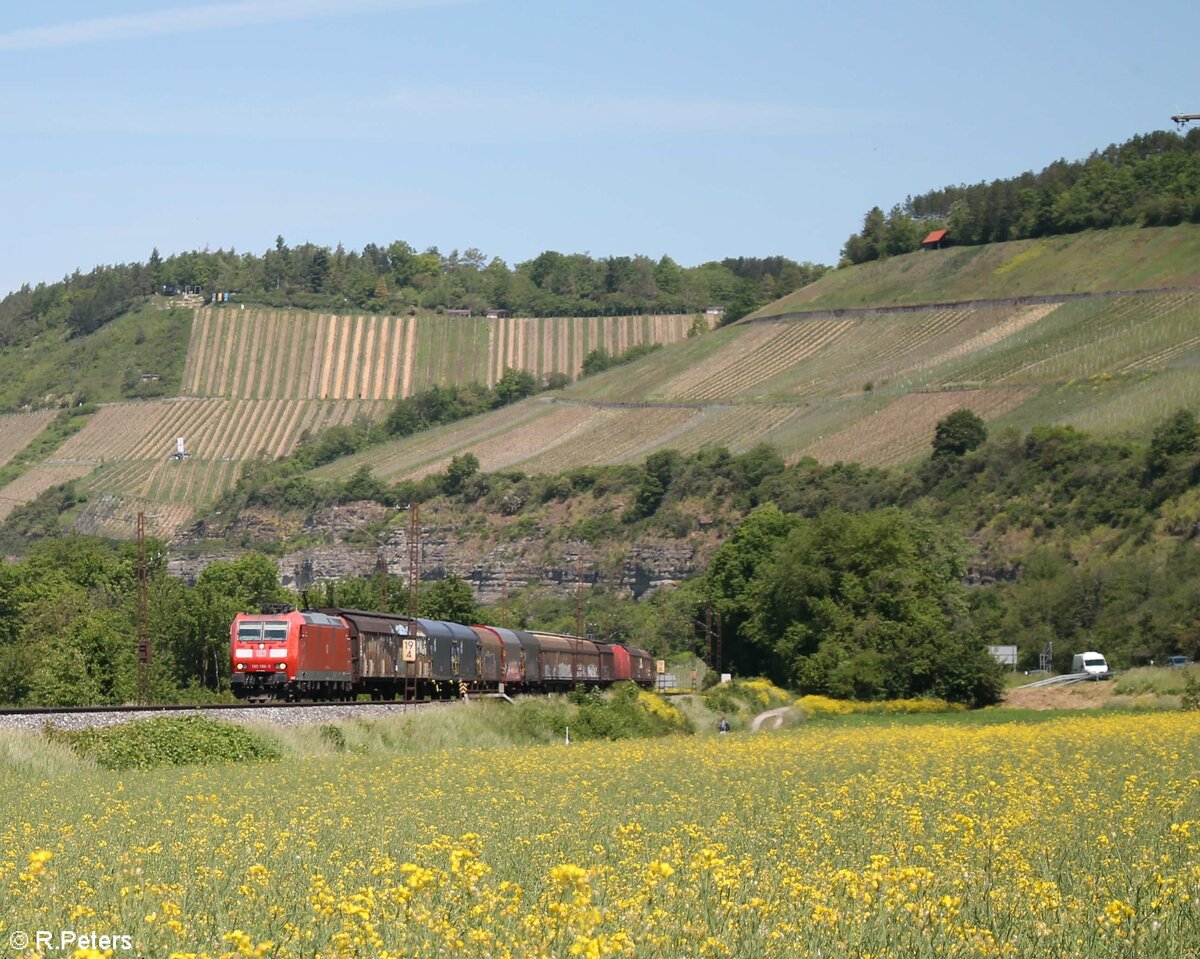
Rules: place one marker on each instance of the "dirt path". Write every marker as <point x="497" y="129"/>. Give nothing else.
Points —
<point x="1011" y="301"/>
<point x="771" y="719"/>
<point x="365" y="383"/>
<point x="410" y="353"/>
<point x="1077" y="696"/>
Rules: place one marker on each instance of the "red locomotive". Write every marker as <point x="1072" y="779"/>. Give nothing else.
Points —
<point x="339" y="653"/>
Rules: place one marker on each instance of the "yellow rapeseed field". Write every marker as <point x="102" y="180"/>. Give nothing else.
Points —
<point x="1065" y="838"/>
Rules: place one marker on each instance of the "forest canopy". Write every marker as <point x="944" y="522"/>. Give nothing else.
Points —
<point x="395" y="278"/>
<point x="1150" y="180"/>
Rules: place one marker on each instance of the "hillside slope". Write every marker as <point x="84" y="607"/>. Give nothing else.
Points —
<point x="868" y="387"/>
<point x="252" y="382"/>
<point x="1125" y="258"/>
<point x="808" y="375"/>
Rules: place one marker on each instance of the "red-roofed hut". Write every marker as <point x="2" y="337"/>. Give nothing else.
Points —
<point x="935" y="241"/>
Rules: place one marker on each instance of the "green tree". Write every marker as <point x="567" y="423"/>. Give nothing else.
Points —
<point x="902" y="234"/>
<point x="514" y="385"/>
<point x="656" y="479"/>
<point x="870" y="606"/>
<point x="450" y="599"/>
<point x="727" y="584"/>
<point x="959" y="433"/>
<point x="461" y="469"/>
<point x="1178" y="435"/>
<point x="596" y="361"/>
<point x="250" y="580"/>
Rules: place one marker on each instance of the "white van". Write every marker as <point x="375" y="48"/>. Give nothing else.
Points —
<point x="1093" y="663"/>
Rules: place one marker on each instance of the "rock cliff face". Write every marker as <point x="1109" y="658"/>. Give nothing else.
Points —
<point x="492" y="568"/>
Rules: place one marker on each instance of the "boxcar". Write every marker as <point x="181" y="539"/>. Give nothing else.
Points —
<point x="622" y="669"/>
<point x="607" y="662"/>
<point x="567" y="659"/>
<point x="491" y="654"/>
<point x="454" y="648"/>
<point x="641" y="666"/>
<point x="531" y="656"/>
<point x="389" y="651"/>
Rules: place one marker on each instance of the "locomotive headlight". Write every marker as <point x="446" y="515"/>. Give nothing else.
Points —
<point x="241" y="665"/>
<point x="281" y="666"/>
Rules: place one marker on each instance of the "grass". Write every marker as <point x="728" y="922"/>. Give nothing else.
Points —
<point x="103" y="367"/>
<point x="30" y="756"/>
<point x="168" y="741"/>
<point x="65" y="425"/>
<point x="1155" y="680"/>
<point x="1119" y="259"/>
<point x="1071" y="836"/>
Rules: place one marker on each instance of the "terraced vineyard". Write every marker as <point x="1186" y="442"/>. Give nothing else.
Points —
<point x="837" y="383"/>
<point x="786" y="359"/>
<point x="904" y="430"/>
<point x="261" y="354"/>
<point x="256" y="380"/>
<point x="211" y="429"/>
<point x="868" y="387"/>
<point x="740" y="427"/>
<point x="125" y="451"/>
<point x="108" y="514"/>
<point x="32" y="483"/>
<point x="611" y="436"/>
<point x="1095" y="337"/>
<point x="499" y="439"/>
<point x="17" y="431"/>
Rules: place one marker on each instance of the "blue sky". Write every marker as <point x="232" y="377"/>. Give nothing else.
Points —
<point x="699" y="130"/>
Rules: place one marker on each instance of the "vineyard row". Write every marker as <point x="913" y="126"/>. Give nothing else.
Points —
<point x="259" y="354"/>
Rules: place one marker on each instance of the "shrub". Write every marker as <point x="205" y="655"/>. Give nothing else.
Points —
<point x="816" y="706"/>
<point x="1190" y="700"/>
<point x="624" y="712"/>
<point x="169" y="741"/>
<point x="756" y="695"/>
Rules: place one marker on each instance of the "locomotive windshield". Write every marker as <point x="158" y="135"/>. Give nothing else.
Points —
<point x="271" y="631"/>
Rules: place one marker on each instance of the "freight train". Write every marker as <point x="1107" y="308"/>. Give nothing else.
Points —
<point x="338" y="654"/>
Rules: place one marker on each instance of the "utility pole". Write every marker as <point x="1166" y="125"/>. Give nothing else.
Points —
<point x="720" y="631"/>
<point x="144" y="651"/>
<point x="414" y="558"/>
<point x="382" y="567"/>
<point x="579" y="624"/>
<point x="708" y="633"/>
<point x="579" y="595"/>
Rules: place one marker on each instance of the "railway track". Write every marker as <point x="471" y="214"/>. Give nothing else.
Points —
<point x="282" y="713"/>
<point x="183" y="708"/>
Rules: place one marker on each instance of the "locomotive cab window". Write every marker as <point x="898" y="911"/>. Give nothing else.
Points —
<point x="249" y="632"/>
<point x="275" y="632"/>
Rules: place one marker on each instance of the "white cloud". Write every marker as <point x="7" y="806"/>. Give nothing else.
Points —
<point x="217" y="16"/>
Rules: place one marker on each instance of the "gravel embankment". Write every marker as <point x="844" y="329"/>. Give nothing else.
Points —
<point x="282" y="715"/>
